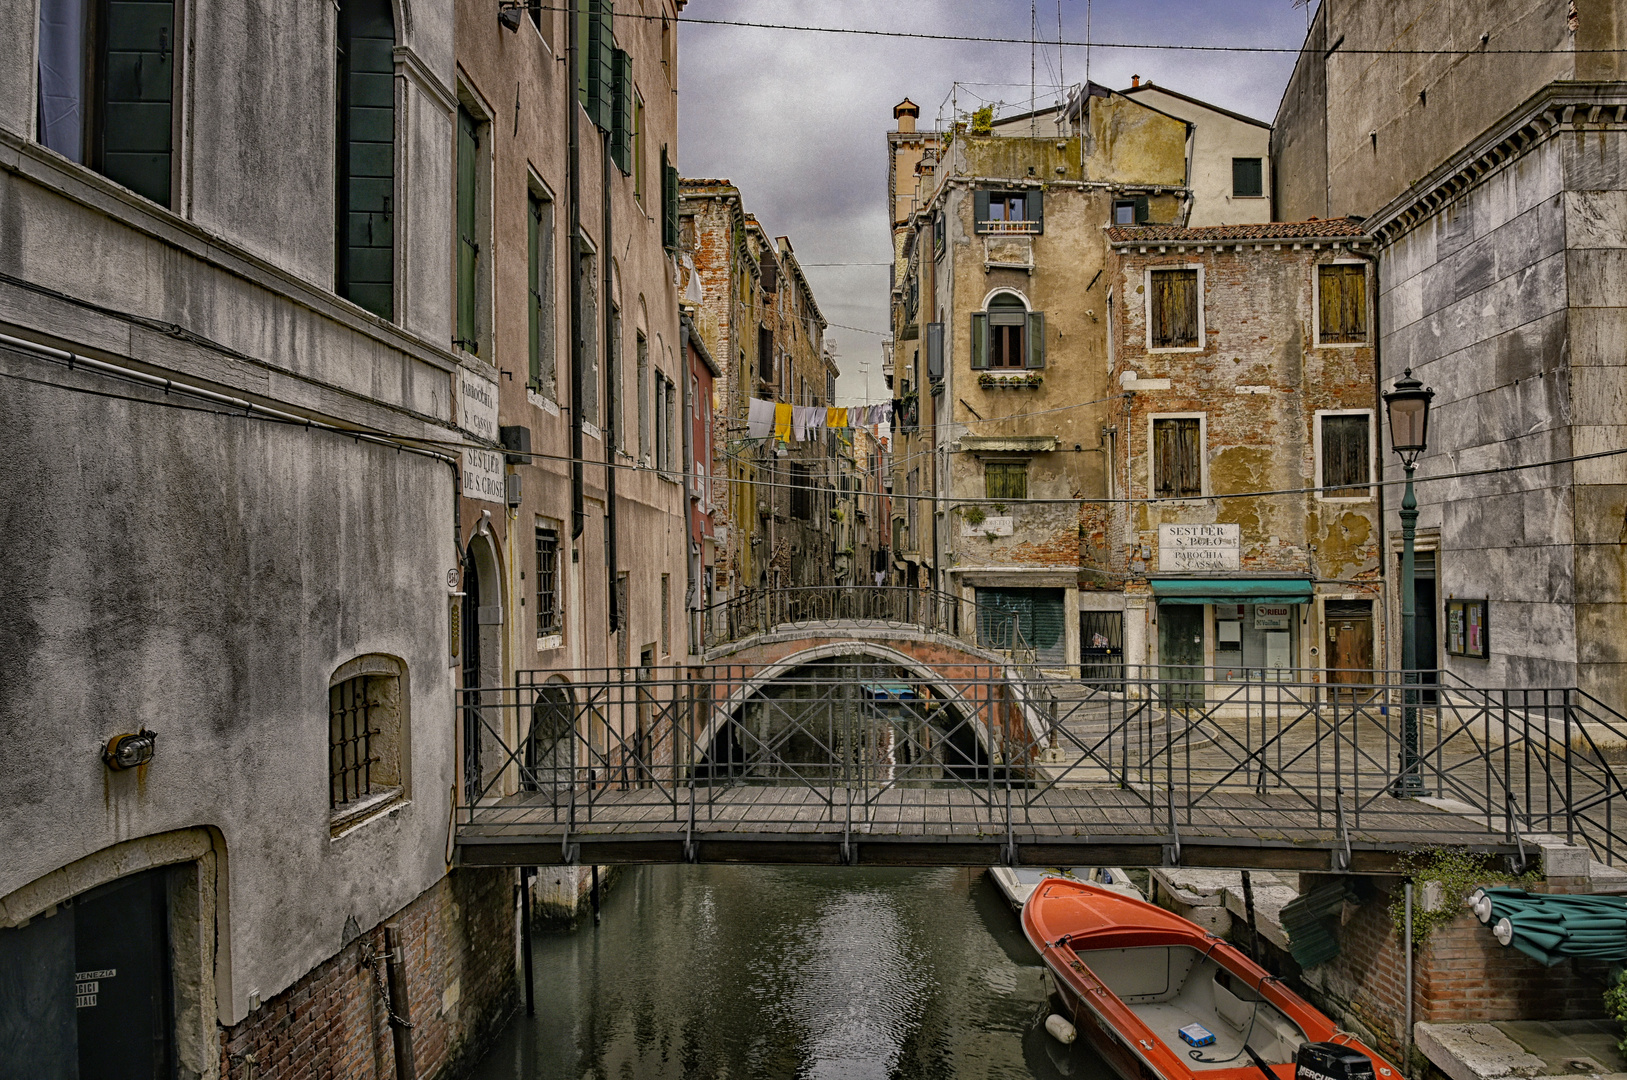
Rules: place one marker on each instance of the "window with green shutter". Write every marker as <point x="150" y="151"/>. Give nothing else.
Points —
<point x="1021" y="619"/>
<point x="107" y="88"/>
<point x="1342" y="304"/>
<point x="595" y="42"/>
<point x="540" y="291"/>
<point x="365" y="274"/>
<point x="621" y="127"/>
<point x="1005" y="479"/>
<point x="669" y="204"/>
<point x="1173" y="300"/>
<point x="468" y="245"/>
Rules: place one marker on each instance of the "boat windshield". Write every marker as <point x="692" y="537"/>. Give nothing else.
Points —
<point x="1175" y="986"/>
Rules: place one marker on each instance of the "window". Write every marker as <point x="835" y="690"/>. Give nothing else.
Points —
<point x="106" y="88"/>
<point x="1174" y="318"/>
<point x="366" y="156"/>
<point x="666" y="614"/>
<point x="912" y="488"/>
<point x="801" y="492"/>
<point x="365" y="716"/>
<point x="765" y="354"/>
<point x="1177" y="457"/>
<point x="1019" y="619"/>
<point x="669" y="203"/>
<point x="1248" y="177"/>
<point x="595" y="73"/>
<point x="1344" y="447"/>
<point x="1466" y="629"/>
<point x="588" y="262"/>
<point x="542" y="17"/>
<point x="643" y="346"/>
<point x="621" y="110"/>
<point x="669" y="409"/>
<point x="940" y="230"/>
<point x="540" y="292"/>
<point x="1342" y="304"/>
<point x="612" y="418"/>
<point x="468" y="241"/>
<point x="1005" y="479"/>
<point x="549" y="608"/>
<point x="1007" y="335"/>
<point x="638" y="147"/>
<point x="665" y="394"/>
<point x="1008" y="211"/>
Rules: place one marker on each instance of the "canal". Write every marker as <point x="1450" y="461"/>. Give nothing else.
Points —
<point x="725" y="971"/>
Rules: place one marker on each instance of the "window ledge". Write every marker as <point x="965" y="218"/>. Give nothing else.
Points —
<point x="550" y="641"/>
<point x="353" y="815"/>
<point x="1341" y="345"/>
<point x="1178" y="348"/>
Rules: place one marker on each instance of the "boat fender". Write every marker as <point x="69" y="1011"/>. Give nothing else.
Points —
<point x="1060" y="1030"/>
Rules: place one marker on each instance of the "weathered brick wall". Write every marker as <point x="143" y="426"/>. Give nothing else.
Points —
<point x="1461" y="975"/>
<point x="459" y="939"/>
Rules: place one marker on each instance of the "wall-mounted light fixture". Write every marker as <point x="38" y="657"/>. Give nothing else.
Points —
<point x="127" y="751"/>
<point x="509" y="14"/>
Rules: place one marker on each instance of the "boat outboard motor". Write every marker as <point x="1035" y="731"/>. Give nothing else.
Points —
<point x="1332" y="1061"/>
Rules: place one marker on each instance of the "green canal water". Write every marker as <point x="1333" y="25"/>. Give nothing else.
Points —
<point x="722" y="971"/>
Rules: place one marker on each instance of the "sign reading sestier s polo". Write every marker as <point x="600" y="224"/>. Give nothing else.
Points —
<point x="1188" y="548"/>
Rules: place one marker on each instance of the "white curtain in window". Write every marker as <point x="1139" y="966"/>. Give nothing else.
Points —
<point x="62" y="76"/>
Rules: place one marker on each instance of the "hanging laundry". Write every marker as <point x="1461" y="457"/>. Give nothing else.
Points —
<point x="782" y="423"/>
<point x="836" y="418"/>
<point x="759" y="418"/>
<point x="802" y="418"/>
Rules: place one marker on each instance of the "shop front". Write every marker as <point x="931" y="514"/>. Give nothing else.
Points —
<point x="1230" y="630"/>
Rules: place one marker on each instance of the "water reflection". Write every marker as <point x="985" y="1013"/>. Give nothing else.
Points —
<point x="712" y="971"/>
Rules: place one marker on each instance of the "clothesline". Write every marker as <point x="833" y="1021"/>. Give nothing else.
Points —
<point x="801" y="423"/>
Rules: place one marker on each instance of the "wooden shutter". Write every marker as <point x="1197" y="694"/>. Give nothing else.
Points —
<point x="366" y="155"/>
<point x="621" y="113"/>
<point x="980" y="211"/>
<point x="138" y="81"/>
<point x="1034" y="209"/>
<point x="534" y="286"/>
<point x="670" y="217"/>
<point x="1346" y="456"/>
<point x="980" y="340"/>
<point x="934" y="350"/>
<point x="468" y="248"/>
<point x="1177" y="458"/>
<point x="1036" y="339"/>
<point x="1342" y="303"/>
<point x="1174" y="300"/>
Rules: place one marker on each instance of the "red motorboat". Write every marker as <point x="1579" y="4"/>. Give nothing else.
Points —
<point x="1162" y="999"/>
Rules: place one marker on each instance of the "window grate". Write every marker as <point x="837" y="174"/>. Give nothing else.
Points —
<point x="350" y="741"/>
<point x="547" y="582"/>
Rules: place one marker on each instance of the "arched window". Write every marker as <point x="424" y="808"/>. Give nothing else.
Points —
<point x="367" y="721"/>
<point x="1007" y="335"/>
<point x="365" y="274"/>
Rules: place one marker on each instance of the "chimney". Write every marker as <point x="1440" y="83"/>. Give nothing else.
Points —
<point x="906" y="112"/>
<point x="1135" y="80"/>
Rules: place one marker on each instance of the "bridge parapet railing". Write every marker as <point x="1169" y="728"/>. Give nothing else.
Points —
<point x="761" y="611"/>
<point x="846" y="747"/>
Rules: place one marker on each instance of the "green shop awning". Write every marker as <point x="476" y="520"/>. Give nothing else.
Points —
<point x="1232" y="590"/>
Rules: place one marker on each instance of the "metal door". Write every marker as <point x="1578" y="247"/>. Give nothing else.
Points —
<point x="1180" y="652"/>
<point x="1101" y="646"/>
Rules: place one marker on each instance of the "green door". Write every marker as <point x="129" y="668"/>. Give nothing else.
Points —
<point x="1180" y="652"/>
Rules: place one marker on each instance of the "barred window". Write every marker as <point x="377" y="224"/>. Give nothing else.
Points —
<point x="548" y="605"/>
<point x="365" y="718"/>
<point x="1005" y="479"/>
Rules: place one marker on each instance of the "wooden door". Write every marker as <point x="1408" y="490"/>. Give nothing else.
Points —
<point x="1350" y="649"/>
<point x="1180" y="651"/>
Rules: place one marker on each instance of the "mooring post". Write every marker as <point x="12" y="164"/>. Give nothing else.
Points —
<point x="527" y="876"/>
<point x="593" y="894"/>
<point x="400" y="1010"/>
<point x="1406" y="1034"/>
<point x="1248" y="911"/>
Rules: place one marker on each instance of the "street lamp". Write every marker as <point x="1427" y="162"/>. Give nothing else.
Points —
<point x="1408" y="406"/>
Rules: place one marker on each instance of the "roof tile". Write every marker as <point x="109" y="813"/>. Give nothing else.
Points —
<point x="1215" y="234"/>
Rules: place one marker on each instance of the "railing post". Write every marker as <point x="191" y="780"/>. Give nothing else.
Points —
<point x="1570" y="812"/>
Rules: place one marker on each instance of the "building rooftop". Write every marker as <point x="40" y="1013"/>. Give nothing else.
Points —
<point x="1328" y="228"/>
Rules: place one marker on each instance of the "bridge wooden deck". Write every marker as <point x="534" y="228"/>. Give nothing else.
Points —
<point x="962" y="825"/>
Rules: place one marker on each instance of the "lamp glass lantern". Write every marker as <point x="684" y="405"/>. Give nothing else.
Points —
<point x="1408" y="406"/>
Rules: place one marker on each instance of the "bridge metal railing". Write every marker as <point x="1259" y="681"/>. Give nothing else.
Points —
<point x="761" y="611"/>
<point x="848" y="748"/>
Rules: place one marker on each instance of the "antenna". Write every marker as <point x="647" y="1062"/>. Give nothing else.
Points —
<point x="1033" y="65"/>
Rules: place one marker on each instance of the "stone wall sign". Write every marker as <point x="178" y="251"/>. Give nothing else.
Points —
<point x="1185" y="549"/>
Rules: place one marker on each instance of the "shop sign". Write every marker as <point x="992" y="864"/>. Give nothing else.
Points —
<point x="1272" y="616"/>
<point x="1188" y="548"/>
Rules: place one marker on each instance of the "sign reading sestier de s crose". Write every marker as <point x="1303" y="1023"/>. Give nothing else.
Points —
<point x="1186" y="548"/>
<point x="482" y="472"/>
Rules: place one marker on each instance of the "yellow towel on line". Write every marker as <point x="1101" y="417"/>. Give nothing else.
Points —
<point x="835" y="418"/>
<point x="782" y="423"/>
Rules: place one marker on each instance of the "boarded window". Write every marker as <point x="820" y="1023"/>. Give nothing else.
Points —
<point x="1006" y="479"/>
<point x="1248" y="177"/>
<point x="1177" y="458"/>
<point x="1346" y="456"/>
<point x="1343" y="303"/>
<point x="1174" y="309"/>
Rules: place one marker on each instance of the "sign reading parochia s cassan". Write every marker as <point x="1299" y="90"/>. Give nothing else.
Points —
<point x="482" y="470"/>
<point x="1186" y="548"/>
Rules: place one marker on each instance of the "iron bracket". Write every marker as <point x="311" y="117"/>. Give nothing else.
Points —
<point x="570" y="854"/>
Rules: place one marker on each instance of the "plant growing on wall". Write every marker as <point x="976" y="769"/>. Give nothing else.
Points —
<point x="1458" y="873"/>
<point x="983" y="120"/>
<point x="974" y="515"/>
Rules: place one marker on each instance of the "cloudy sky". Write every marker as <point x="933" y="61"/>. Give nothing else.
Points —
<point x="798" y="119"/>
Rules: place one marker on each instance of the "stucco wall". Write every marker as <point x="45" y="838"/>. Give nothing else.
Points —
<point x="1218" y="137"/>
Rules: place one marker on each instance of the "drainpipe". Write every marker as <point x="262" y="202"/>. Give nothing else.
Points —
<point x="1371" y="258"/>
<point x="608" y="431"/>
<point x="574" y="166"/>
<point x="691" y="475"/>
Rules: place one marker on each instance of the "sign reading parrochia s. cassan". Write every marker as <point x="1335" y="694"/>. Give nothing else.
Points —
<point x="482" y="470"/>
<point x="1185" y="548"/>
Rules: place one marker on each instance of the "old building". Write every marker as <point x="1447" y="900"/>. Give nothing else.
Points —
<point x="1495" y="184"/>
<point x="232" y="743"/>
<point x="1244" y="359"/>
<point x="1000" y="359"/>
<point x="772" y="501"/>
<point x="1228" y="157"/>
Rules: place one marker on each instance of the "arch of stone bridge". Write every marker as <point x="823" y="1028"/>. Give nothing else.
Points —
<point x="942" y="666"/>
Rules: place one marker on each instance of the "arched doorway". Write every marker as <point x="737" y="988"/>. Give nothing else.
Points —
<point x="481" y="647"/>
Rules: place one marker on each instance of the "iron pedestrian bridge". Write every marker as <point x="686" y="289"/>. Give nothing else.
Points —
<point x="853" y="750"/>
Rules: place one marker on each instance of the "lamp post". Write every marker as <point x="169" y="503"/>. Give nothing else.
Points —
<point x="1408" y="406"/>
